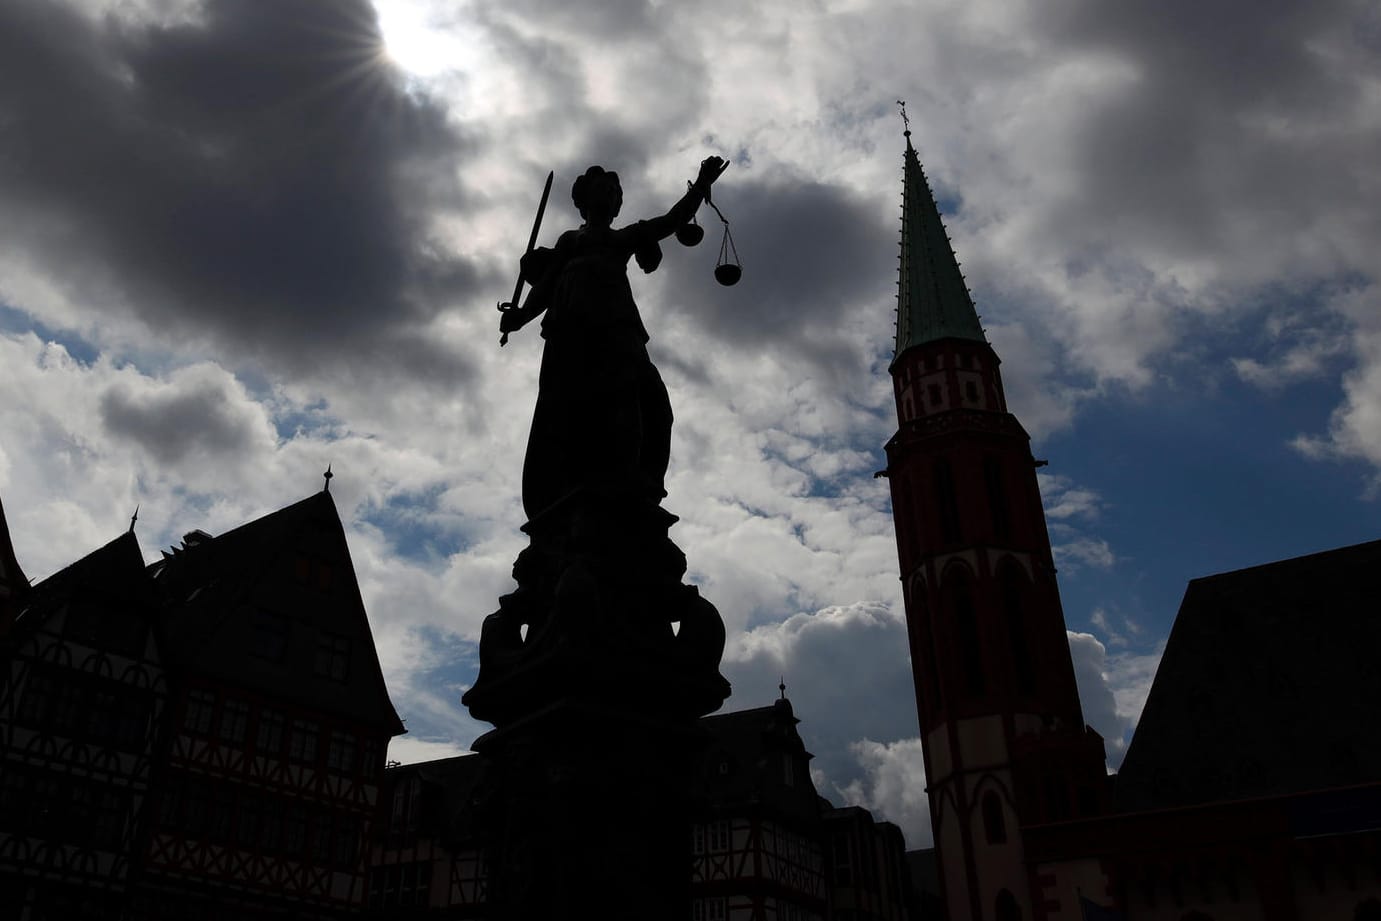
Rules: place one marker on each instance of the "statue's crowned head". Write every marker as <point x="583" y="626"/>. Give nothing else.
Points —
<point x="597" y="194"/>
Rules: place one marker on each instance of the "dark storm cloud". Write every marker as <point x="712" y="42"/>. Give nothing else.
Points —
<point x="1229" y="121"/>
<point x="257" y="173"/>
<point x="205" y="415"/>
<point x="810" y="253"/>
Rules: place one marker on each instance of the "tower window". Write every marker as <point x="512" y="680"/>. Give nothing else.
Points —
<point x="971" y="391"/>
<point x="933" y="394"/>
<point x="970" y="650"/>
<point x="994" y="826"/>
<point x="932" y="667"/>
<point x="1007" y="908"/>
<point x="1023" y="663"/>
<point x="947" y="501"/>
<point x="997" y="497"/>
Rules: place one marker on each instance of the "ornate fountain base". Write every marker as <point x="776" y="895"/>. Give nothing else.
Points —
<point x="595" y="672"/>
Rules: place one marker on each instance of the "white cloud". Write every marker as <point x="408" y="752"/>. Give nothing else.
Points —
<point x="1112" y="689"/>
<point x="892" y="787"/>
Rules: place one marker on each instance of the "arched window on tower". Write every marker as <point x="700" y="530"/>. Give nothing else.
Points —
<point x="1007" y="908"/>
<point x="947" y="502"/>
<point x="1013" y="585"/>
<point x="929" y="663"/>
<point x="997" y="498"/>
<point x="994" y="825"/>
<point x="965" y="620"/>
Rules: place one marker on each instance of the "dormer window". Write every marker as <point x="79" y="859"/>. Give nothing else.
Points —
<point x="332" y="656"/>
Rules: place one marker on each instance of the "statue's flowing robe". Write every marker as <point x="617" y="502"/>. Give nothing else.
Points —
<point x="602" y="418"/>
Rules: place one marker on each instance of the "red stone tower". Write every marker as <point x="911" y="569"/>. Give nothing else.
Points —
<point x="1004" y="737"/>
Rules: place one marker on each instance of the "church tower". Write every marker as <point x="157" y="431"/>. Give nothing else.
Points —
<point x="1003" y="733"/>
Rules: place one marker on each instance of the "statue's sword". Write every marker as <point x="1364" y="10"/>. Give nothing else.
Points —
<point x="531" y="242"/>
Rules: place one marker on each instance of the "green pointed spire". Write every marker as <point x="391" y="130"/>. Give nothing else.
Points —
<point x="932" y="300"/>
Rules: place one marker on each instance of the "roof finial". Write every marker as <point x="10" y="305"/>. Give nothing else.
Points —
<point x="133" y="519"/>
<point x="906" y="122"/>
<point x="781" y="686"/>
<point x="327" y="476"/>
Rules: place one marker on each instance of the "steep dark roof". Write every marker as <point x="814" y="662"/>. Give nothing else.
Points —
<point x="291" y="566"/>
<point x="1268" y="685"/>
<point x="933" y="300"/>
<point x="115" y="570"/>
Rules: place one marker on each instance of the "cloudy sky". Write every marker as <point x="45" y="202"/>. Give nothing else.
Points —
<point x="239" y="241"/>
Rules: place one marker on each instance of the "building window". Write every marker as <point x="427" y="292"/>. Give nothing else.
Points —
<point x="270" y="635"/>
<point x="970" y="644"/>
<point x="234" y="721"/>
<point x="132" y="712"/>
<point x="268" y="739"/>
<point x="997" y="497"/>
<point x="947" y="501"/>
<point x="302" y="741"/>
<point x="719" y="835"/>
<point x="332" y="656"/>
<point x="933" y="394"/>
<point x="1023" y="663"/>
<point x="68" y="709"/>
<point x="294" y="830"/>
<point x="38" y="691"/>
<point x="843" y="862"/>
<point x="971" y="391"/>
<point x="247" y="820"/>
<point x="201" y="708"/>
<point x="369" y="759"/>
<point x="994" y="826"/>
<point x="713" y="909"/>
<point x="271" y="825"/>
<point x="340" y="756"/>
<point x="345" y="836"/>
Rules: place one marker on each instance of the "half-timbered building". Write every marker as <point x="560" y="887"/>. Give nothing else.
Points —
<point x="82" y="690"/>
<point x="279" y="721"/>
<point x="428" y="851"/>
<point x="759" y="840"/>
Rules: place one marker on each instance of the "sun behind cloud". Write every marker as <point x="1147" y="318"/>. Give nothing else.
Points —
<point x="418" y="38"/>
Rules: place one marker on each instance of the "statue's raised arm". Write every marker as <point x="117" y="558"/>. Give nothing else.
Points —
<point x="711" y="168"/>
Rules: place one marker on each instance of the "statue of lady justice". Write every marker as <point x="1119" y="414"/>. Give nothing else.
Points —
<point x="602" y="418"/>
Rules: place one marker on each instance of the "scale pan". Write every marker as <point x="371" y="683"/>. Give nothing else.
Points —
<point x="728" y="273"/>
<point x="690" y="234"/>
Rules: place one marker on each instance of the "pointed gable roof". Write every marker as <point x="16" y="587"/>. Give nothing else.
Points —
<point x="933" y="301"/>
<point x="254" y="606"/>
<point x="111" y="576"/>
<point x="1268" y="686"/>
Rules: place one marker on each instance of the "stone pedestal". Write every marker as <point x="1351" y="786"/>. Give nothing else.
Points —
<point x="594" y="673"/>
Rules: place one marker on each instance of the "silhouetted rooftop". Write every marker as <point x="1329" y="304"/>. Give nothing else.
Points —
<point x="1268" y="685"/>
<point x="286" y="574"/>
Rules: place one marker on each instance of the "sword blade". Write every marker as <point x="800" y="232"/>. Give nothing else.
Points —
<point x="532" y="239"/>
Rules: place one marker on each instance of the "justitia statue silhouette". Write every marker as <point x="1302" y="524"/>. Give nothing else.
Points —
<point x="602" y="417"/>
<point x="596" y="667"/>
<point x="600" y="575"/>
